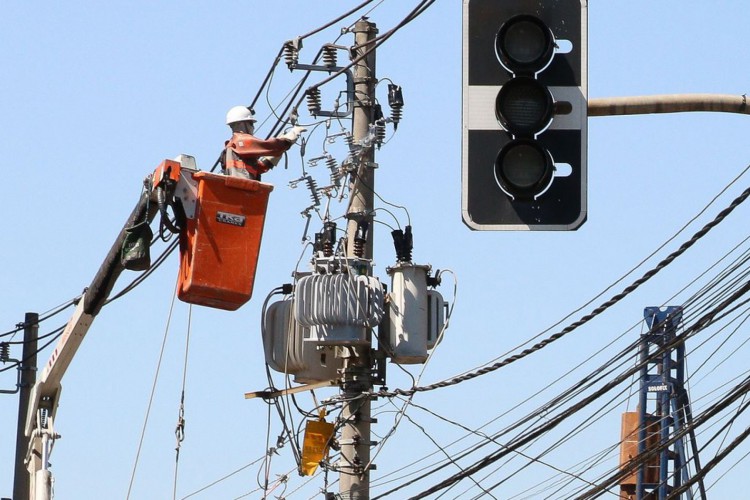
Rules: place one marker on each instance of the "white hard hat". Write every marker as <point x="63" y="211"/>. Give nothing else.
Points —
<point x="240" y="114"/>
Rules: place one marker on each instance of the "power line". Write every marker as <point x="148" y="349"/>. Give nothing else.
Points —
<point x="58" y="333"/>
<point x="699" y="325"/>
<point x="585" y="319"/>
<point x="151" y="396"/>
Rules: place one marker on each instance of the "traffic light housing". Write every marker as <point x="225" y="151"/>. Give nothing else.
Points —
<point x="524" y="114"/>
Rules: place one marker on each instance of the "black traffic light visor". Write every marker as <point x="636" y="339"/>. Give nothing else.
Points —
<point x="524" y="106"/>
<point x="523" y="169"/>
<point x="525" y="44"/>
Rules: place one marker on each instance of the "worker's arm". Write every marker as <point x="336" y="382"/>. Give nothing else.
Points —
<point x="248" y="145"/>
<point x="258" y="156"/>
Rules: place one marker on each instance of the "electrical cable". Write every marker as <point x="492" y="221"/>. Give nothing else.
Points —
<point x="43" y="316"/>
<point x="488" y="439"/>
<point x="180" y="428"/>
<point x="699" y="325"/>
<point x="304" y="483"/>
<point x="313" y="32"/>
<point x="735" y="393"/>
<point x="614" y="402"/>
<point x="585" y="319"/>
<point x="282" y="410"/>
<point x="19" y="327"/>
<point x="484" y="436"/>
<point x="223" y="478"/>
<point x="728" y="337"/>
<point x="633" y="269"/>
<point x="40" y="337"/>
<point x="417" y="11"/>
<point x="151" y="396"/>
<point x="574" y="388"/>
<point x="262" y="85"/>
<point x="24" y="360"/>
<point x="687" y="430"/>
<point x="145" y="274"/>
<point x="437" y="445"/>
<point x="334" y="21"/>
<point x="728" y="471"/>
<point x="369" y="188"/>
<point x="585" y="466"/>
<point x="424" y="4"/>
<point x="57" y="310"/>
<point x="726" y="426"/>
<point x="267" y="460"/>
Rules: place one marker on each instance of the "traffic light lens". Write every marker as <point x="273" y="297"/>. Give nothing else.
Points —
<point x="524" y="106"/>
<point x="525" y="44"/>
<point x="523" y="169"/>
<point x="523" y="166"/>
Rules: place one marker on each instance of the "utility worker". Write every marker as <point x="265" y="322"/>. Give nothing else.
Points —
<point x="247" y="156"/>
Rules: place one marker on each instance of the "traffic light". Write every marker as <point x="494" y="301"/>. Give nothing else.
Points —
<point x="524" y="114"/>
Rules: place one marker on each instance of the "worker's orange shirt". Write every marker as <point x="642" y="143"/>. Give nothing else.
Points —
<point x="245" y="151"/>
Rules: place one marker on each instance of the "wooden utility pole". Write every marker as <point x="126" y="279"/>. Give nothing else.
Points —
<point x="28" y="379"/>
<point x="354" y="476"/>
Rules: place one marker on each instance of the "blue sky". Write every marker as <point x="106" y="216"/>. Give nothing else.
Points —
<point x="94" y="97"/>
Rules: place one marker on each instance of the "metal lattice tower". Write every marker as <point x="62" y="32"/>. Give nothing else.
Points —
<point x="663" y="413"/>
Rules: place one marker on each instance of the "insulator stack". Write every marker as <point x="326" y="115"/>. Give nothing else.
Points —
<point x="360" y="238"/>
<point x="396" y="102"/>
<point x="4" y="352"/>
<point x="312" y="185"/>
<point x="349" y="140"/>
<point x="359" y="248"/>
<point x="291" y="55"/>
<point x="331" y="162"/>
<point x="333" y="166"/>
<point x="313" y="100"/>
<point x="379" y="132"/>
<point x="329" y="55"/>
<point x="404" y="243"/>
<point x="396" y="114"/>
<point x="328" y="237"/>
<point x="379" y="125"/>
<point x="327" y="248"/>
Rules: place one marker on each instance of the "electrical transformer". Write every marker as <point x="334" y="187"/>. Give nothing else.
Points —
<point x="415" y="315"/>
<point x="290" y="347"/>
<point x="339" y="308"/>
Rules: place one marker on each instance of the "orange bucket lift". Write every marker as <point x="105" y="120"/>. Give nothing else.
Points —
<point x="220" y="240"/>
<point x="220" y="245"/>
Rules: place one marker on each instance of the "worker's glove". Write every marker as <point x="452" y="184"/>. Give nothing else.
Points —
<point x="269" y="162"/>
<point x="293" y="133"/>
